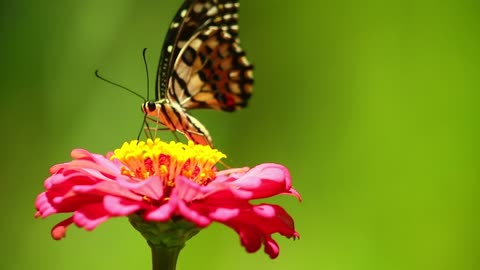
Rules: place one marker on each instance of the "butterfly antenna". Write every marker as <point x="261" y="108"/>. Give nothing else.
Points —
<point x="144" y="53"/>
<point x="121" y="86"/>
<point x="145" y="126"/>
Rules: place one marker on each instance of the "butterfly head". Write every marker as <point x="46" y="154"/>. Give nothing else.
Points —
<point x="149" y="107"/>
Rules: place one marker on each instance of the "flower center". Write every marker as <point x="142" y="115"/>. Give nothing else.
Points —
<point x="168" y="160"/>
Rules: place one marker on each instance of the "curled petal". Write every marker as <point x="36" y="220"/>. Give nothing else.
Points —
<point x="256" y="225"/>
<point x="271" y="247"/>
<point x="262" y="181"/>
<point x="59" y="231"/>
<point x="265" y="180"/>
<point x="43" y="205"/>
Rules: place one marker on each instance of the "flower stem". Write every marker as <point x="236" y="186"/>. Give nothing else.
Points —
<point x="165" y="239"/>
<point x="164" y="258"/>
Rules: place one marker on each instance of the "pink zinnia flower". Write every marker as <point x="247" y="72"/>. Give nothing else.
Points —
<point x="161" y="182"/>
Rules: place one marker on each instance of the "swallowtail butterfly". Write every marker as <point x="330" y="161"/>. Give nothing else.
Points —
<point x="201" y="66"/>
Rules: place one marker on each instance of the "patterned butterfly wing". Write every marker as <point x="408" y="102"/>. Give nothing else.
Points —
<point x="202" y="64"/>
<point x="212" y="72"/>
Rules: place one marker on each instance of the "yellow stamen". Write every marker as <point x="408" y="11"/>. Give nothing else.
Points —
<point x="168" y="160"/>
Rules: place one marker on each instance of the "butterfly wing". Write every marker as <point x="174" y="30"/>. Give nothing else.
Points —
<point x="202" y="64"/>
<point x="211" y="72"/>
<point x="191" y="17"/>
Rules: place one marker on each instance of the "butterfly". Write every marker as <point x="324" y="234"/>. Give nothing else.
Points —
<point x="201" y="66"/>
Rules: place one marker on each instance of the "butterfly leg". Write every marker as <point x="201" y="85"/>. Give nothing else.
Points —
<point x="198" y="137"/>
<point x="148" y="130"/>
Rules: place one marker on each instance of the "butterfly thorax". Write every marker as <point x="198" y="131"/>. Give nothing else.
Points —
<point x="163" y="112"/>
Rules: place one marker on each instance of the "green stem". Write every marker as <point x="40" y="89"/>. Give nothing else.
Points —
<point x="164" y="258"/>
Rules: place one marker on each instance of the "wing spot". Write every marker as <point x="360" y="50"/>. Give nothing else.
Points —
<point x="189" y="56"/>
<point x="234" y="75"/>
<point x="198" y="8"/>
<point x="212" y="12"/>
<point x="243" y="61"/>
<point x="180" y="44"/>
<point x="183" y="13"/>
<point x="196" y="43"/>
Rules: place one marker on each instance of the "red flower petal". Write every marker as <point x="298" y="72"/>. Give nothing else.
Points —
<point x="90" y="216"/>
<point x="118" y="206"/>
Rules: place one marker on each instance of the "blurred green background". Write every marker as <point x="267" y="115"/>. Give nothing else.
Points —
<point x="373" y="105"/>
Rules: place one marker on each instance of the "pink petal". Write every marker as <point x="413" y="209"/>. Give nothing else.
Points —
<point x="107" y="188"/>
<point x="265" y="180"/>
<point x="43" y="205"/>
<point x="151" y="187"/>
<point x="192" y="215"/>
<point x="271" y="247"/>
<point x="187" y="190"/>
<point x="224" y="214"/>
<point x="90" y="216"/>
<point x="256" y="224"/>
<point x="162" y="213"/>
<point x="117" y="206"/>
<point x="104" y="163"/>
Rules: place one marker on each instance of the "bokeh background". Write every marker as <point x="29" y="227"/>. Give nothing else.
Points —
<point x="373" y="105"/>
